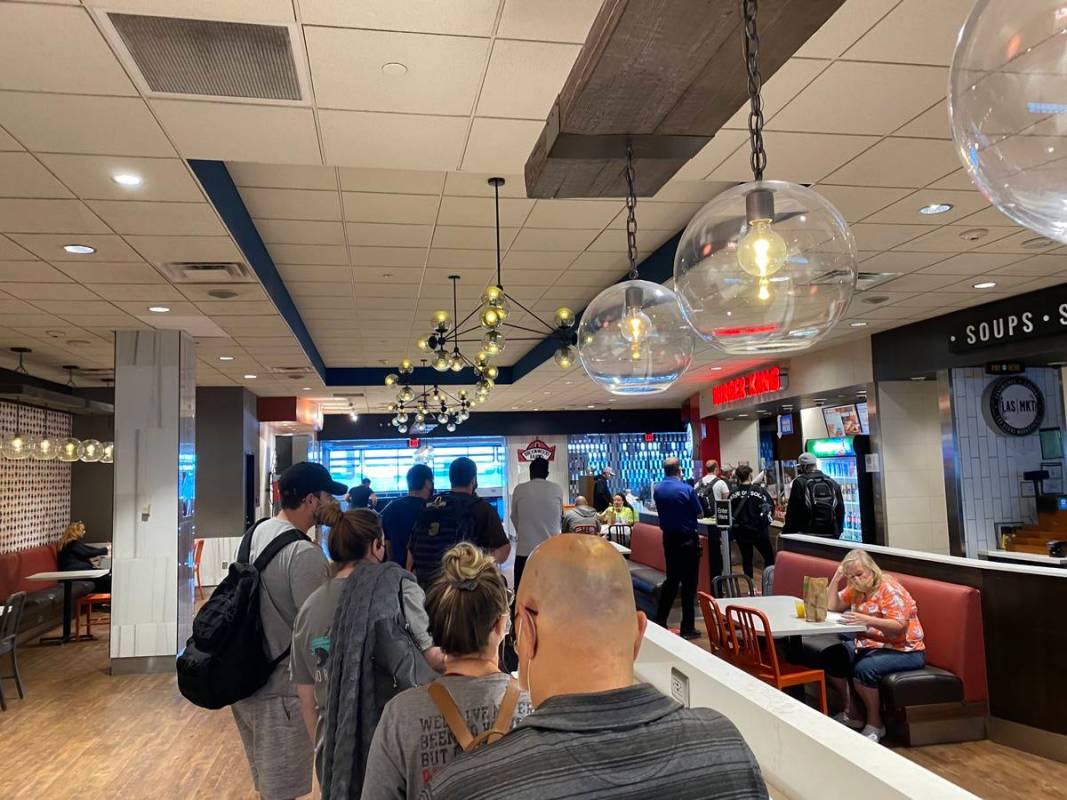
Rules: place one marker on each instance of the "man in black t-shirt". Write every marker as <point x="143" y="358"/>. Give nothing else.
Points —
<point x="400" y="515"/>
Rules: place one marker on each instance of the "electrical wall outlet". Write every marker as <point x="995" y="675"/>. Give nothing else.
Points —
<point x="225" y="566"/>
<point x="680" y="686"/>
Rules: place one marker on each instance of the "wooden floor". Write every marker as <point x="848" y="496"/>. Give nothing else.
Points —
<point x="81" y="733"/>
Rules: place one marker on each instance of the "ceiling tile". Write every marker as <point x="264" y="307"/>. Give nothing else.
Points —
<point x="21" y="175"/>
<point x="442" y="72"/>
<point x="388" y="256"/>
<point x="39" y="216"/>
<point x="233" y="132"/>
<point x="1036" y="266"/>
<point x="568" y="240"/>
<point x="711" y="155"/>
<point x="449" y="258"/>
<point x="94" y="272"/>
<point x="919" y="282"/>
<point x="856" y="202"/>
<point x="243" y="291"/>
<point x="588" y="214"/>
<point x="682" y="191"/>
<point x="7" y="143"/>
<point x="548" y="20"/>
<point x="292" y="204"/>
<point x="1014" y="243"/>
<point x="285" y="231"/>
<point x="600" y="261"/>
<point x="862" y="98"/>
<point x="47" y="48"/>
<point x="458" y="17"/>
<point x="401" y="281"/>
<point x="158" y="219"/>
<point x="106" y="125"/>
<point x="282" y="176"/>
<point x="164" y="249"/>
<point x="947" y="240"/>
<point x="141" y="293"/>
<point x="377" y="234"/>
<point x="970" y="264"/>
<point x="957" y="180"/>
<point x="932" y="124"/>
<point x="391" y="181"/>
<point x="987" y="216"/>
<point x="796" y="157"/>
<point x="83" y="308"/>
<point x="500" y="145"/>
<point x="89" y="177"/>
<point x="899" y="162"/>
<point x="339" y="299"/>
<point x="532" y="260"/>
<point x="524" y="78"/>
<point x="906" y="211"/>
<point x="785" y="84"/>
<point x="476" y="184"/>
<point x="49" y="291"/>
<point x="883" y="237"/>
<point x="9" y="251"/>
<point x="1004" y="284"/>
<point x="293" y="273"/>
<point x="215" y="308"/>
<point x="847" y="24"/>
<point x="318" y="254"/>
<point x="915" y="32"/>
<point x="450" y="236"/>
<point x="480" y="212"/>
<point x="613" y="240"/>
<point x="409" y="209"/>
<point x="899" y="262"/>
<point x="243" y="10"/>
<point x="394" y="141"/>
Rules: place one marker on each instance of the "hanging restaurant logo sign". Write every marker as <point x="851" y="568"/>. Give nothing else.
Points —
<point x="754" y="384"/>
<point x="1014" y="406"/>
<point x="537" y="449"/>
<point x="1028" y="316"/>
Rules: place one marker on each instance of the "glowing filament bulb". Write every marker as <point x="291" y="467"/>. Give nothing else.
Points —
<point x="764" y="294"/>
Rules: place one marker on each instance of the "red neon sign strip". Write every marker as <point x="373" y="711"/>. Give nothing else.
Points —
<point x="747" y="330"/>
<point x="762" y="381"/>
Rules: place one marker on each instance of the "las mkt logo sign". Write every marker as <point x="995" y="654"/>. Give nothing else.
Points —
<point x="537" y="449"/>
<point x="754" y="384"/>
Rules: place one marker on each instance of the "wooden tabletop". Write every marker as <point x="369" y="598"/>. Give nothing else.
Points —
<point x="781" y="613"/>
<point x="69" y="575"/>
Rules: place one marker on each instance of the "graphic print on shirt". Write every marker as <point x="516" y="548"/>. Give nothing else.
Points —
<point x="437" y="746"/>
<point x="320" y="648"/>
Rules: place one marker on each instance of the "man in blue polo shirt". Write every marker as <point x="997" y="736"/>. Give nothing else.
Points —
<point x="678" y="509"/>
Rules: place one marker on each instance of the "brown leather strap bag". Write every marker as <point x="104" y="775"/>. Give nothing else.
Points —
<point x="454" y="717"/>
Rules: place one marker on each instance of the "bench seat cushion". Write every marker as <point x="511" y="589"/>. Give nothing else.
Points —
<point x="921" y="687"/>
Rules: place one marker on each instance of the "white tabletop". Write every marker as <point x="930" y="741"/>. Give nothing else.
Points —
<point x="621" y="548"/>
<point x="1029" y="558"/>
<point x="782" y="614"/>
<point x="69" y="575"/>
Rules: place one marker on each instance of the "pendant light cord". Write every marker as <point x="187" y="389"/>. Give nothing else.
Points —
<point x="455" y="304"/>
<point x="631" y="212"/>
<point x="758" y="158"/>
<point x="496" y="205"/>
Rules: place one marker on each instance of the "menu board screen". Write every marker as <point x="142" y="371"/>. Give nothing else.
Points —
<point x="843" y="420"/>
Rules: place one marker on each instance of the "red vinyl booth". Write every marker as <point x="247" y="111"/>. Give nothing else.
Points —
<point x="945" y="701"/>
<point x="44" y="599"/>
<point x="648" y="567"/>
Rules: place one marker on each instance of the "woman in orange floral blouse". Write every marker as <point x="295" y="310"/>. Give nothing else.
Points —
<point x="893" y="641"/>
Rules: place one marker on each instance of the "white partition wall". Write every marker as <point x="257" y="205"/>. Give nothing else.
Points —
<point x="152" y="588"/>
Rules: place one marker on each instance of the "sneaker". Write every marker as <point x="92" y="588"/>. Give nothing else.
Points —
<point x="689" y="635"/>
<point x="872" y="733"/>
<point x="845" y="719"/>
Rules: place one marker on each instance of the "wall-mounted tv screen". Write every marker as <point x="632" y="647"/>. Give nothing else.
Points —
<point x="1051" y="443"/>
<point x="842" y="420"/>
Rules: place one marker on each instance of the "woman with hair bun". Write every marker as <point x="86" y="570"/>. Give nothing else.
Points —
<point x="469" y="606"/>
<point x="356" y="546"/>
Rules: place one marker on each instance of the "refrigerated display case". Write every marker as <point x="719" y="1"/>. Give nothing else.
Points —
<point x="844" y="459"/>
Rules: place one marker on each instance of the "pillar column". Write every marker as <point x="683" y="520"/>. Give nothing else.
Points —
<point x="155" y="480"/>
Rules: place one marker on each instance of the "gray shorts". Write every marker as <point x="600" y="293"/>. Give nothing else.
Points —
<point x="277" y="744"/>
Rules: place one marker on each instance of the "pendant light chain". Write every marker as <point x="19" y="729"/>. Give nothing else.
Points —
<point x="631" y="215"/>
<point x="758" y="158"/>
<point x="496" y="205"/>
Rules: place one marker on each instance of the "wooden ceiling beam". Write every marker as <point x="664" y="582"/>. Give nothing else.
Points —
<point x="664" y="75"/>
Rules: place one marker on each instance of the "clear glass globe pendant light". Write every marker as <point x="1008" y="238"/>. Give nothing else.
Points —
<point x="1007" y="109"/>
<point x="768" y="266"/>
<point x="632" y="338"/>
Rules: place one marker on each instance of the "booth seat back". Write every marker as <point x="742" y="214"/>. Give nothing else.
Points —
<point x="951" y="616"/>
<point x="14" y="567"/>
<point x="646" y="547"/>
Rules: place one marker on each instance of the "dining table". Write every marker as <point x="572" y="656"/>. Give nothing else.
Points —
<point x="780" y="610"/>
<point x="67" y="577"/>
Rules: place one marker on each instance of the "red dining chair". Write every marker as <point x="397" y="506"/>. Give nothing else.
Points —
<point x="718" y="636"/>
<point x="198" y="552"/>
<point x="750" y="631"/>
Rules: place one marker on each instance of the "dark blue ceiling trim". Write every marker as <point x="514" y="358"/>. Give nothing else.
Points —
<point x="422" y="376"/>
<point x="657" y="268"/>
<point x="222" y="192"/>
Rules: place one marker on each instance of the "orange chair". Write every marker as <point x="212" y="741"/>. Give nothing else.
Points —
<point x="86" y="604"/>
<point x="198" y="551"/>
<point x="756" y="654"/>
<point x="722" y="644"/>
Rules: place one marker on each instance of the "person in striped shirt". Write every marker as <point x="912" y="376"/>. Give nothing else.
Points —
<point x="596" y="732"/>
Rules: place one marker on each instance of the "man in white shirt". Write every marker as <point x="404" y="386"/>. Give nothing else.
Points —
<point x="711" y="490"/>
<point x="536" y="513"/>
<point x="713" y="477"/>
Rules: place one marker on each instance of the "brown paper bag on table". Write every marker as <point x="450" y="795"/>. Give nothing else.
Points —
<point x="815" y="599"/>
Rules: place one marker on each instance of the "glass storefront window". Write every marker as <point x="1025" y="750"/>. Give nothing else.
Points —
<point x="638" y="464"/>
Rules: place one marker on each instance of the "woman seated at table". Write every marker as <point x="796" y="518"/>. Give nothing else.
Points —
<point x="74" y="554"/>
<point x="893" y="641"/>
<point x="620" y="512"/>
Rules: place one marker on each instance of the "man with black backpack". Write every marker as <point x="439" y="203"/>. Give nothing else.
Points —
<point x="455" y="516"/>
<point x="815" y="503"/>
<point x="272" y="729"/>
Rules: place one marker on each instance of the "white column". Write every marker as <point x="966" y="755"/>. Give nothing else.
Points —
<point x="155" y="462"/>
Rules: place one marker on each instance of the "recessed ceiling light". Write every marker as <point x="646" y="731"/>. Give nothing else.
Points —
<point x="1057" y="363"/>
<point x="79" y="249"/>
<point x="159" y="309"/>
<point x="225" y="358"/>
<point x="612" y="399"/>
<point x="394" y="68"/>
<point x="974" y="234"/>
<point x="307" y="388"/>
<point x="250" y="377"/>
<point x="820" y="399"/>
<point x="935" y="208"/>
<point x="1038" y="243"/>
<point x="742" y="416"/>
<point x="127" y="179"/>
<point x="985" y="285"/>
<point x="857" y="324"/>
<point x="590" y="406"/>
<point x="716" y="369"/>
<point x="918" y="377"/>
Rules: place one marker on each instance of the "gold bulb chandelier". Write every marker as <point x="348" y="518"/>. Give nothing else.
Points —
<point x="419" y="411"/>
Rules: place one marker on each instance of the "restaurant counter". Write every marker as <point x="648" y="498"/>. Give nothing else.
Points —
<point x="803" y="754"/>
<point x="1023" y="610"/>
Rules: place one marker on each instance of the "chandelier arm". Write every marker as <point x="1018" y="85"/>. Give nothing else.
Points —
<point x="528" y="330"/>
<point x="467" y="318"/>
<point x="758" y="156"/>
<point x="472" y="329"/>
<point x="528" y="311"/>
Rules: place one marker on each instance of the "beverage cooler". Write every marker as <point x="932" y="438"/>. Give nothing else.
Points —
<point x="844" y="459"/>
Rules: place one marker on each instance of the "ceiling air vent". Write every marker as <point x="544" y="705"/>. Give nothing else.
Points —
<point x="208" y="272"/>
<point x="864" y="280"/>
<point x="218" y="59"/>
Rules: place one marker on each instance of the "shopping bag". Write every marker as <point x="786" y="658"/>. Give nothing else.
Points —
<point x="815" y="599"/>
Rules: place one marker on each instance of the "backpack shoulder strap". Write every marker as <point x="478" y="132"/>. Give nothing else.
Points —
<point x="244" y="552"/>
<point x="502" y="723"/>
<point x="279" y="543"/>
<point x="442" y="698"/>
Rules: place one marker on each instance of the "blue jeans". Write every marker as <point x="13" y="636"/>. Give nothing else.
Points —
<point x="870" y="665"/>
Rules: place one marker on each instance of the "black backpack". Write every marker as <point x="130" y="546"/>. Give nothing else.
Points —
<point x="226" y="659"/>
<point x="821" y="499"/>
<point x="706" y="495"/>
<point x="446" y="521"/>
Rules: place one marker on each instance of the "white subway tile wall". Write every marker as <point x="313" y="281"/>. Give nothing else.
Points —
<point x="991" y="464"/>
